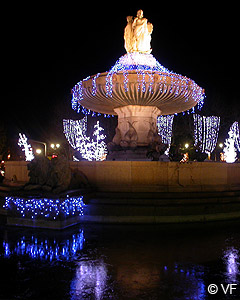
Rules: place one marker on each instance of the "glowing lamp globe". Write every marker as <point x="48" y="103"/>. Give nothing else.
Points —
<point x="137" y="89"/>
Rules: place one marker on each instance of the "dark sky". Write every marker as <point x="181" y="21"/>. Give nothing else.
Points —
<point x="50" y="48"/>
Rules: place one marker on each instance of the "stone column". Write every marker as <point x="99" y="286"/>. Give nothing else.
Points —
<point x="136" y="124"/>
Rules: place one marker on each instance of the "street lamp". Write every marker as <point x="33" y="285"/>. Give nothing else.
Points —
<point x="38" y="151"/>
<point x="55" y="146"/>
<point x="44" y="144"/>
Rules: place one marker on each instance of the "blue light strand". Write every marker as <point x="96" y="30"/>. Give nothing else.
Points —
<point x="142" y="63"/>
<point x="44" y="207"/>
<point x="94" y="84"/>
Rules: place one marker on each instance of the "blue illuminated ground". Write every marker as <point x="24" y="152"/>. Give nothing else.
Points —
<point x="120" y="262"/>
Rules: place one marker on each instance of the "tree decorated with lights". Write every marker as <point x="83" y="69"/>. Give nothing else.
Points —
<point x="99" y="149"/>
<point x="164" y="125"/>
<point x="232" y="144"/>
<point x="90" y="149"/>
<point x="75" y="131"/>
<point x="26" y="148"/>
<point x="206" y="132"/>
<point x="235" y="127"/>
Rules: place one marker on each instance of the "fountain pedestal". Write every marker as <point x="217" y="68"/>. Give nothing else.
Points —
<point x="135" y="134"/>
<point x="136" y="124"/>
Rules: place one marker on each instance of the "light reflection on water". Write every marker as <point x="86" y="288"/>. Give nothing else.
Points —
<point x="193" y="279"/>
<point x="47" y="249"/>
<point x="231" y="259"/>
<point x="90" y="279"/>
<point x="110" y="262"/>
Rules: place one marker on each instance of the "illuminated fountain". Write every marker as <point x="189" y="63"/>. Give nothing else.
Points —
<point x="137" y="89"/>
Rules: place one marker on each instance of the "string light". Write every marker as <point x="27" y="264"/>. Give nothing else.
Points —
<point x="27" y="148"/>
<point x="164" y="125"/>
<point x="146" y="66"/>
<point x="90" y="149"/>
<point x="236" y="134"/>
<point x="45" y="207"/>
<point x="206" y="132"/>
<point x="142" y="63"/>
<point x="94" y="84"/>
<point x="75" y="130"/>
<point x="230" y="152"/>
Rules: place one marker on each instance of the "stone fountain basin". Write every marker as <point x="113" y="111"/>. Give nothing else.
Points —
<point x="170" y="93"/>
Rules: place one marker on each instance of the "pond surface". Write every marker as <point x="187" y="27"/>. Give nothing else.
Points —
<point x="121" y="262"/>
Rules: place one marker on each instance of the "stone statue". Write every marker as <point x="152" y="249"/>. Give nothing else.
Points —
<point x="54" y="176"/>
<point x="128" y="35"/>
<point x="130" y="137"/>
<point x="137" y="34"/>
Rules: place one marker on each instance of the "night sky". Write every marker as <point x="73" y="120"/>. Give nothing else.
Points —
<point x="48" y="49"/>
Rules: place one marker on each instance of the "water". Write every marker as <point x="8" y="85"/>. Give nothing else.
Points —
<point x="121" y="262"/>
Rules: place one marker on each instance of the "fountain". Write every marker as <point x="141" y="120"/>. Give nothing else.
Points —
<point x="137" y="89"/>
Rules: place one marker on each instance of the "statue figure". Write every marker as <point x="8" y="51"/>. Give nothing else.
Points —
<point x="130" y="137"/>
<point x="137" y="34"/>
<point x="128" y="35"/>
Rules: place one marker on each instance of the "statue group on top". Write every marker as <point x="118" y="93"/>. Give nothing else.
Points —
<point x="137" y="34"/>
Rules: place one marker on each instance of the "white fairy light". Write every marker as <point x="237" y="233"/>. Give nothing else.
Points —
<point x="99" y="147"/>
<point x="26" y="148"/>
<point x="206" y="132"/>
<point x="75" y="130"/>
<point x="235" y="129"/>
<point x="230" y="152"/>
<point x="90" y="149"/>
<point x="164" y="125"/>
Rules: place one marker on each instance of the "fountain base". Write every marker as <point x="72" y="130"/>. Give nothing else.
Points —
<point x="137" y="154"/>
<point x="136" y="125"/>
<point x="136" y="134"/>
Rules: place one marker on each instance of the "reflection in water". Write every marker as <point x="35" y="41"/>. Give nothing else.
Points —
<point x="44" y="248"/>
<point x="192" y="280"/>
<point x="117" y="263"/>
<point x="231" y="259"/>
<point x="90" y="280"/>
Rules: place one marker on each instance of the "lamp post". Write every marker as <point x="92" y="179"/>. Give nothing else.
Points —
<point x="55" y="149"/>
<point x="55" y="146"/>
<point x="45" y="146"/>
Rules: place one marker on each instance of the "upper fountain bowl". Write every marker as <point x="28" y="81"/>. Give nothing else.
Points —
<point x="137" y="79"/>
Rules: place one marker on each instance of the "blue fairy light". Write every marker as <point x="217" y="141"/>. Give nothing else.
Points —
<point x="44" y="207"/>
<point x="146" y="67"/>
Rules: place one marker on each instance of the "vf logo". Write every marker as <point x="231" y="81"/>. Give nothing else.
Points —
<point x="227" y="289"/>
